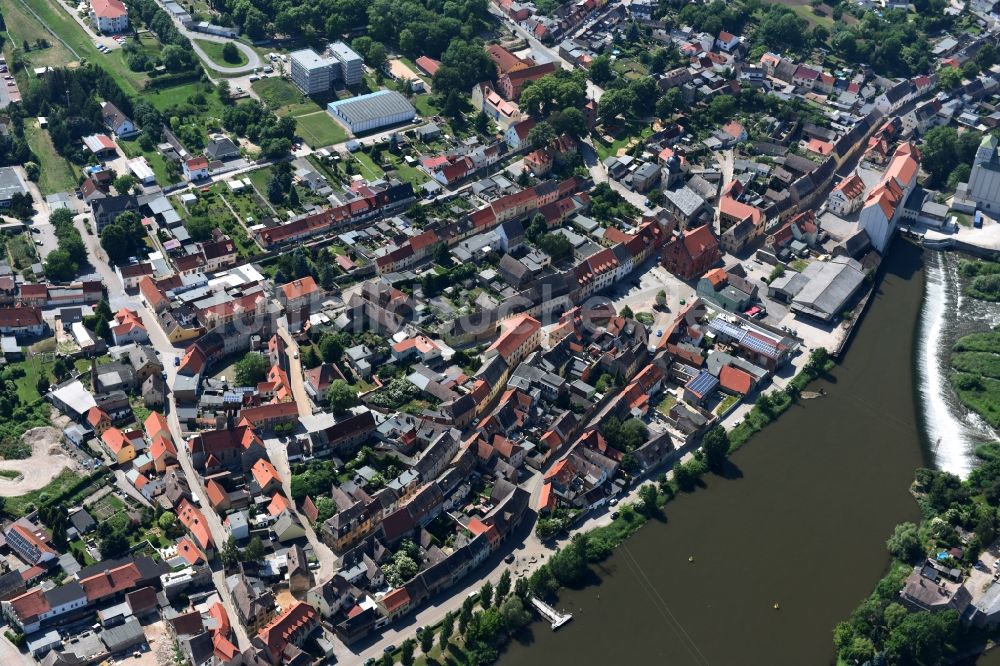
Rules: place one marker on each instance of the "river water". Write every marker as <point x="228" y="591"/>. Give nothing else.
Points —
<point x="802" y="524"/>
<point x="953" y="431"/>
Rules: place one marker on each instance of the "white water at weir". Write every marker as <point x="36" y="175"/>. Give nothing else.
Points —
<point x="946" y="315"/>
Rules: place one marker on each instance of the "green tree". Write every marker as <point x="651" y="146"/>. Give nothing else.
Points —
<point x="330" y="348"/>
<point x="905" y="544"/>
<point x="922" y="638"/>
<point x="341" y="396"/>
<point x="254" y="551"/>
<point x="59" y="266"/>
<point x="818" y="358"/>
<point x="114" y="544"/>
<point x="503" y="586"/>
<point x="447" y="627"/>
<point x="230" y="53"/>
<point x="42" y="385"/>
<point x="514" y="614"/>
<point x="684" y="477"/>
<point x="406" y="652"/>
<point x="230" y="553"/>
<point x="486" y="594"/>
<point x="426" y="640"/>
<point x="661" y="298"/>
<point x="600" y="70"/>
<point x="167" y="521"/>
<point x="542" y="582"/>
<point x="648" y="496"/>
<point x="250" y="370"/>
<point x="124" y="183"/>
<point x="715" y="444"/>
<point x="275" y="192"/>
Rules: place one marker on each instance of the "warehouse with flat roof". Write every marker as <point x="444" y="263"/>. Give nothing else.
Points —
<point x="372" y="111"/>
<point x="11" y="183"/>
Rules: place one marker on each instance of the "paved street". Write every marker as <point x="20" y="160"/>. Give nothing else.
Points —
<point x="253" y="60"/>
<point x="166" y="351"/>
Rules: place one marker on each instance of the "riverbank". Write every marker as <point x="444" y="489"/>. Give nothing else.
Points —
<point x="752" y="538"/>
<point x="958" y="530"/>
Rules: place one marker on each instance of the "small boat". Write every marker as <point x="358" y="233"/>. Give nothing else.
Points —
<point x="691" y="558"/>
<point x="776" y="606"/>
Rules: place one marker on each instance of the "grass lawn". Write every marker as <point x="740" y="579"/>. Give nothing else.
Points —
<point x="34" y="367"/>
<point x="214" y="51"/>
<point x="635" y="131"/>
<point x="725" y="404"/>
<point x="19" y="506"/>
<point x="798" y="265"/>
<point x="320" y="129"/>
<point x="666" y="404"/>
<point x="23" y="27"/>
<point x="56" y="173"/>
<point x="168" y="97"/>
<point x="59" y="21"/>
<point x="260" y="178"/>
<point x="981" y="395"/>
<point x="156" y="161"/>
<point x="223" y="217"/>
<point x="404" y="171"/>
<point x="369" y="169"/>
<point x="22" y="251"/>
<point x="424" y="106"/>
<point x="313" y="123"/>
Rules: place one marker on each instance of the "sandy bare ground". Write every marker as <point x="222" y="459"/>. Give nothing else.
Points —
<point x="46" y="461"/>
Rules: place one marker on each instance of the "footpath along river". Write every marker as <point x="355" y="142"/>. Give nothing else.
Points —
<point x="803" y="525"/>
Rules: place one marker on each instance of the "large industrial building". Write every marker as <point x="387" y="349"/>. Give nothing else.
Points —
<point x="316" y="73"/>
<point x="371" y="111"/>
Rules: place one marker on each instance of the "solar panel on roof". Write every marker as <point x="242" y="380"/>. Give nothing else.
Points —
<point x="703" y="384"/>
<point x="759" y="346"/>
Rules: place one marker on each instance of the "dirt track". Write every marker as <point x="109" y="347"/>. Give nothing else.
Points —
<point x="46" y="461"/>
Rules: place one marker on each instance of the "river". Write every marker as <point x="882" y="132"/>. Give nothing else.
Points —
<point x="953" y="430"/>
<point x="802" y="524"/>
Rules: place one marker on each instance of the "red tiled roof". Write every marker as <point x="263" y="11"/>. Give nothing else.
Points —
<point x="222" y="625"/>
<point x="264" y="473"/>
<point x="216" y="493"/>
<point x="95" y="415"/>
<point x="516" y="331"/>
<point x="194" y="520"/>
<point x="736" y="380"/>
<point x="396" y="599"/>
<point x="302" y="287"/>
<point x="279" y="503"/>
<point x="30" y="604"/>
<point x="429" y="65"/>
<point x="277" y="633"/>
<point x="190" y="552"/>
<point x="108" y="9"/>
<point x="111" y="582"/>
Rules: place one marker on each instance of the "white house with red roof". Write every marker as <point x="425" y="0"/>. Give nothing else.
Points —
<point x="196" y="168"/>
<point x="884" y="204"/>
<point x="109" y="16"/>
<point x="847" y="197"/>
<point x="727" y="42"/>
<point x="129" y="328"/>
